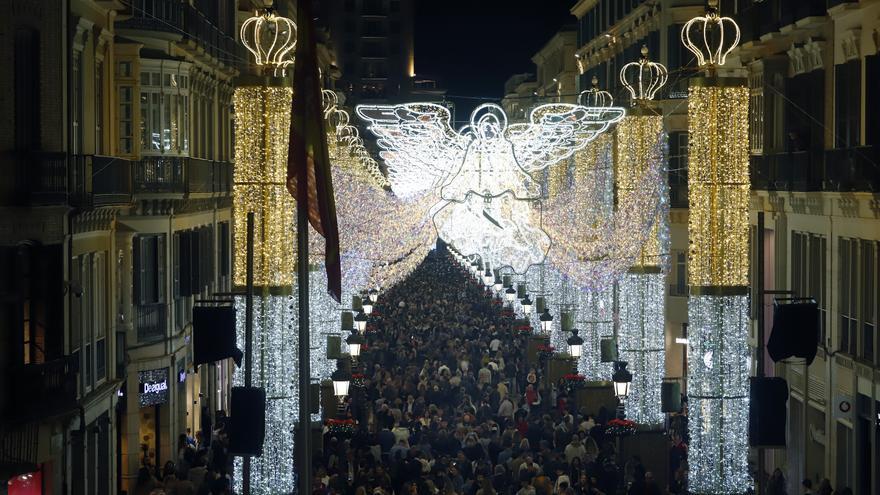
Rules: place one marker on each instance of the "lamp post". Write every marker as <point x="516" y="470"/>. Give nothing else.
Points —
<point x="575" y="346"/>
<point x="360" y="322"/>
<point x="367" y="306"/>
<point x="622" y="379"/>
<point x="373" y="295"/>
<point x="526" y="305"/>
<point x="355" y="341"/>
<point x="546" y="320"/>
<point x="510" y="295"/>
<point x="488" y="277"/>
<point x="341" y="381"/>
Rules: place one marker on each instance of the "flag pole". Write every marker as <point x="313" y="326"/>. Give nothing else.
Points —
<point x="302" y="279"/>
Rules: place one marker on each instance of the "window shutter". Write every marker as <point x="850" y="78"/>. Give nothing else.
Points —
<point x="137" y="270"/>
<point x="160" y="268"/>
<point x="185" y="263"/>
<point x="175" y="269"/>
<point x="195" y="242"/>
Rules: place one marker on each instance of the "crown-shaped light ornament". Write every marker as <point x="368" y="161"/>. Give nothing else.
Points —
<point x="594" y="97"/>
<point x="711" y="37"/>
<point x="643" y="78"/>
<point x="271" y="39"/>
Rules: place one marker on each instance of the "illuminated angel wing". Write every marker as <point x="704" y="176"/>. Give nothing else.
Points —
<point x="419" y="146"/>
<point x="556" y="130"/>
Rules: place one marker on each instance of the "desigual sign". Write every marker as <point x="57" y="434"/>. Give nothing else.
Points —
<point x="153" y="387"/>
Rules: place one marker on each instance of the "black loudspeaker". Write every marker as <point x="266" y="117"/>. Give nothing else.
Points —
<point x="767" y="411"/>
<point x="670" y="397"/>
<point x="247" y="421"/>
<point x="214" y="335"/>
<point x="795" y="331"/>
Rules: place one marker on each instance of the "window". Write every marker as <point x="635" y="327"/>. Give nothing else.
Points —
<point x="847" y="98"/>
<point x="27" y="89"/>
<point x="681" y="288"/>
<point x="808" y="272"/>
<point x="868" y="301"/>
<point x="89" y="316"/>
<point x="126" y="129"/>
<point x="123" y="69"/>
<point x="149" y="269"/>
<point x="848" y="295"/>
<point x="164" y="110"/>
<point x="99" y="107"/>
<point x="76" y="105"/>
<point x="223" y="245"/>
<point x="756" y="111"/>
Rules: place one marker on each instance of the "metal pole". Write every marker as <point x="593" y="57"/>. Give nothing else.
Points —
<point x="759" y="286"/>
<point x="302" y="270"/>
<point x="248" y="335"/>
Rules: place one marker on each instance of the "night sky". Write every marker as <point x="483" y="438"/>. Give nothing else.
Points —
<point x="473" y="46"/>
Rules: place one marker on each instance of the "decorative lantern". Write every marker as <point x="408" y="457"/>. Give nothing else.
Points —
<point x="621" y="378"/>
<point x="360" y="322"/>
<point x="546" y="320"/>
<point x="270" y="38"/>
<point x="575" y="344"/>
<point x="355" y="341"/>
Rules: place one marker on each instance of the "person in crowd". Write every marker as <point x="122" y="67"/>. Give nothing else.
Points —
<point x="450" y="404"/>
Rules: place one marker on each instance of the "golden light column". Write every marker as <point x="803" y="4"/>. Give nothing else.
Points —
<point x="718" y="322"/>
<point x="262" y="131"/>
<point x="641" y="144"/>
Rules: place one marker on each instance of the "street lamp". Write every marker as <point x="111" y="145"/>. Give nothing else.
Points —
<point x="510" y="295"/>
<point x="546" y="320"/>
<point x="575" y="344"/>
<point x="622" y="379"/>
<point x="355" y="341"/>
<point x="488" y="277"/>
<point x="374" y="295"/>
<point x="360" y="322"/>
<point x="526" y="305"/>
<point x="367" y="305"/>
<point x="341" y="380"/>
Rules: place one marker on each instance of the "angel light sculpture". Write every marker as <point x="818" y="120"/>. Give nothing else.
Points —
<point x="482" y="173"/>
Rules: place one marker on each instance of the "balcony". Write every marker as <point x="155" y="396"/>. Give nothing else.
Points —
<point x="201" y="31"/>
<point x="152" y="15"/>
<point x="843" y="170"/>
<point x="42" y="390"/>
<point x="111" y="180"/>
<point x="40" y="178"/>
<point x="151" y="322"/>
<point x="181" y="175"/>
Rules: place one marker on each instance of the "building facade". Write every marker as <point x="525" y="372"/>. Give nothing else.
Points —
<point x="373" y="42"/>
<point x="116" y="222"/>
<point x="814" y="76"/>
<point x="555" y="68"/>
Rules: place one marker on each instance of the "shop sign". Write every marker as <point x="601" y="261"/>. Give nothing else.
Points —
<point x="153" y="387"/>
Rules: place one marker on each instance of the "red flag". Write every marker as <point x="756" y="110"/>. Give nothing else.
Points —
<point x="308" y="160"/>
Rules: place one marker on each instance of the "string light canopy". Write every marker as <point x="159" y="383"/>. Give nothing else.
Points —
<point x="482" y="172"/>
<point x="270" y="38"/>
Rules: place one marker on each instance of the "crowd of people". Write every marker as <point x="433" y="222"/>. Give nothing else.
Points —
<point x="200" y="468"/>
<point x="448" y="404"/>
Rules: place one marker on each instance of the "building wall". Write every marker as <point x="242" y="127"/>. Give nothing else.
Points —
<point x="813" y="74"/>
<point x="81" y="189"/>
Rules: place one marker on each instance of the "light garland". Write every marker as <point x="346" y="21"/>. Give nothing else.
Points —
<point x="262" y="130"/>
<point x="481" y="172"/>
<point x="718" y="394"/>
<point x="643" y="78"/>
<point x="709" y="55"/>
<point x="641" y="342"/>
<point x="718" y="185"/>
<point x="718" y="265"/>
<point x="275" y="369"/>
<point x="270" y="38"/>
